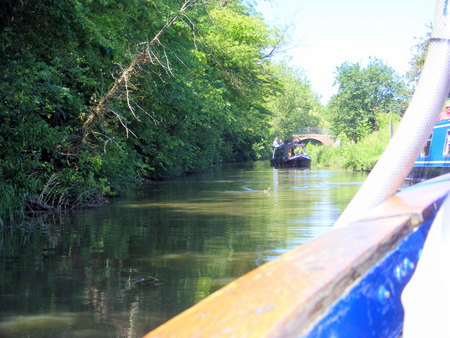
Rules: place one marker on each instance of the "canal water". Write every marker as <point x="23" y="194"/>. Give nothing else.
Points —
<point x="123" y="269"/>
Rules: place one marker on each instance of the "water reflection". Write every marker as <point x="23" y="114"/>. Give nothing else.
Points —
<point x="75" y="276"/>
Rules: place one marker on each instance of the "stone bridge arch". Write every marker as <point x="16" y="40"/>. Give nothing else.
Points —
<point x="325" y="139"/>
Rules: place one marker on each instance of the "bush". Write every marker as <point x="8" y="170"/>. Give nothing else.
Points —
<point x="361" y="156"/>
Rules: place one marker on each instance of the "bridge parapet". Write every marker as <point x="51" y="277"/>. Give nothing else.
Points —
<point x="325" y="139"/>
<point x="314" y="130"/>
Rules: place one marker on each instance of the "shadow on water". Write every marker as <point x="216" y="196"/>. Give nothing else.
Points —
<point x="75" y="276"/>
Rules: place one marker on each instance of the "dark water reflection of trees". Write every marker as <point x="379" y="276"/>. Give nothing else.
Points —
<point x="74" y="275"/>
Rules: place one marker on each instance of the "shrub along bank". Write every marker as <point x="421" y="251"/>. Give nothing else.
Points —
<point x="361" y="156"/>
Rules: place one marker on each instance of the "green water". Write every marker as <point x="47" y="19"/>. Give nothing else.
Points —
<point x="74" y="276"/>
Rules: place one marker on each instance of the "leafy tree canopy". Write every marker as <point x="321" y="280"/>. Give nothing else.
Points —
<point x="97" y="94"/>
<point x="418" y="59"/>
<point x="295" y="106"/>
<point x="363" y="93"/>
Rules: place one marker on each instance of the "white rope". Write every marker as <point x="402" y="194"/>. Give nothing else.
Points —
<point x="415" y="127"/>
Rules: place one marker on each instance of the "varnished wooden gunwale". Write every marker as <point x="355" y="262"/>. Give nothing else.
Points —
<point x="286" y="297"/>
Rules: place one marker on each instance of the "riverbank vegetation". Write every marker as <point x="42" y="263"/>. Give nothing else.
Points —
<point x="366" y="111"/>
<point x="365" y="95"/>
<point x="361" y="156"/>
<point x="368" y="101"/>
<point x="101" y="94"/>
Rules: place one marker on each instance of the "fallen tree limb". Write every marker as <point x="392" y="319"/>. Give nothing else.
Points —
<point x="144" y="55"/>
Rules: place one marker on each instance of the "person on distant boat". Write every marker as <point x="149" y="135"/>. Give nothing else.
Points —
<point x="446" y="113"/>
<point x="300" y="149"/>
<point x="275" y="143"/>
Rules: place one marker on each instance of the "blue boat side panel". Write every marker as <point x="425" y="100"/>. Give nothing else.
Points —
<point x="437" y="161"/>
<point x="373" y="307"/>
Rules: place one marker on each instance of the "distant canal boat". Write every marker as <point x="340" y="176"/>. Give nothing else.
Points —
<point x="290" y="155"/>
<point x="434" y="160"/>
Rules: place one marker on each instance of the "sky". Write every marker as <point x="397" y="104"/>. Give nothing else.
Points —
<point x="324" y="34"/>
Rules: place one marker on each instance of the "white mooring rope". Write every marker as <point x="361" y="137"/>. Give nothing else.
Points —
<point x="415" y="127"/>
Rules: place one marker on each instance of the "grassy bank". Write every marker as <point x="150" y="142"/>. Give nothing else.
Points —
<point x="361" y="156"/>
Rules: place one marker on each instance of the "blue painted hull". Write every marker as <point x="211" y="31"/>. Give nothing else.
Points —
<point x="373" y="307"/>
<point x="434" y="160"/>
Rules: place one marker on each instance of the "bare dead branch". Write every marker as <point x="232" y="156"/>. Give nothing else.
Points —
<point x="108" y="139"/>
<point x="155" y="121"/>
<point x="124" y="125"/>
<point x="194" y="28"/>
<point x="143" y="56"/>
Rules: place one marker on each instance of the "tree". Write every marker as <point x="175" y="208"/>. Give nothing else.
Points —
<point x="364" y="93"/>
<point x="123" y="90"/>
<point x="144" y="55"/>
<point x="418" y="59"/>
<point x="295" y="105"/>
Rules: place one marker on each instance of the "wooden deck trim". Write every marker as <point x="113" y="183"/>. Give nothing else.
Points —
<point x="286" y="297"/>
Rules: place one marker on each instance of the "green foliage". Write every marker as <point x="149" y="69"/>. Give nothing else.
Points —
<point x="418" y="60"/>
<point x="208" y="94"/>
<point x="294" y="105"/>
<point x="361" y="156"/>
<point x="363" y="94"/>
<point x="198" y="102"/>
